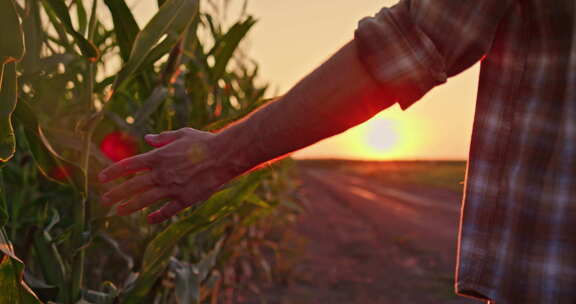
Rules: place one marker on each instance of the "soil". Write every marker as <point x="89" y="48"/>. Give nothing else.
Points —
<point x="368" y="242"/>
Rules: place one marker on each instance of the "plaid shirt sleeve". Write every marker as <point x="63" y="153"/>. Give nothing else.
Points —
<point x="517" y="238"/>
<point x="416" y="44"/>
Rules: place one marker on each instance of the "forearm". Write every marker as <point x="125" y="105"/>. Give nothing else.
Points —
<point x="338" y="95"/>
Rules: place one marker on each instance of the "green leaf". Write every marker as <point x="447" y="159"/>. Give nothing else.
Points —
<point x="117" y="249"/>
<point x="98" y="297"/>
<point x="48" y="254"/>
<point x="8" y="98"/>
<point x="187" y="281"/>
<point x="61" y="11"/>
<point x="173" y="16"/>
<point x="34" y="37"/>
<point x="14" y="289"/>
<point x="43" y="290"/>
<point x="82" y="17"/>
<point x="125" y="26"/>
<point x="3" y="203"/>
<point x="150" y="105"/>
<point x="12" y="38"/>
<point x="190" y="40"/>
<point x="188" y="277"/>
<point x="160" y="50"/>
<point x="159" y="250"/>
<point x="67" y="142"/>
<point x="225" y="49"/>
<point x="47" y="160"/>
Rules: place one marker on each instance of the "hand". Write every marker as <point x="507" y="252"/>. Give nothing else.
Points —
<point x="186" y="167"/>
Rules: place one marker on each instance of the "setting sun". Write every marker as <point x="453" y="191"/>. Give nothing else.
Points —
<point x="389" y="135"/>
<point x="382" y="134"/>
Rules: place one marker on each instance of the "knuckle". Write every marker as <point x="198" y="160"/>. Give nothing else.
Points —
<point x="186" y="131"/>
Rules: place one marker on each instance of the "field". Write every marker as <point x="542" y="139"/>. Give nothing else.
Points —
<point x="438" y="174"/>
<point x="374" y="232"/>
<point x="82" y="83"/>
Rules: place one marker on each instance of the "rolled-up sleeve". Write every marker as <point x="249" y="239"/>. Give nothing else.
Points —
<point x="417" y="44"/>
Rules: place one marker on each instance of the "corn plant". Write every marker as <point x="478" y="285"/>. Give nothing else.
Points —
<point x="67" y="110"/>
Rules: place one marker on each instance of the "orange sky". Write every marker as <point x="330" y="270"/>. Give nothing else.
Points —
<point x="293" y="37"/>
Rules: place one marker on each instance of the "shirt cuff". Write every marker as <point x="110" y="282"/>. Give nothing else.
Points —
<point x="398" y="55"/>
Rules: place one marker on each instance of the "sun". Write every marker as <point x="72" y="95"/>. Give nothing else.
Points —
<point x="382" y="135"/>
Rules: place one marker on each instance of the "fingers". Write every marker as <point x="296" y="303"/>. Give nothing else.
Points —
<point x="166" y="212"/>
<point x="140" y="201"/>
<point x="127" y="189"/>
<point x="172" y="208"/>
<point x="125" y="167"/>
<point x="164" y="138"/>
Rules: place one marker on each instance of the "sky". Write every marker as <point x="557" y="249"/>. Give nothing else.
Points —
<point x="293" y="37"/>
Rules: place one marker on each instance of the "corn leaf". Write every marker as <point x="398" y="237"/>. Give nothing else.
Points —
<point x="32" y="25"/>
<point x="188" y="277"/>
<point x="8" y="97"/>
<point x="12" y="39"/>
<point x="59" y="8"/>
<point x="11" y="49"/>
<point x="82" y="17"/>
<point x="186" y="281"/>
<point x="14" y="289"/>
<point x="159" y="250"/>
<point x="173" y="16"/>
<point x="160" y="50"/>
<point x="125" y="26"/>
<point x="150" y="105"/>
<point x="224" y="50"/>
<point x="47" y="160"/>
<point x="3" y="203"/>
<point x="50" y="260"/>
<point x="43" y="290"/>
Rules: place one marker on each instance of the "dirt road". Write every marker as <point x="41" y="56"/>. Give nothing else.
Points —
<point x="373" y="243"/>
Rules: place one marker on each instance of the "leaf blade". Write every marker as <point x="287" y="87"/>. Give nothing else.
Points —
<point x="224" y="51"/>
<point x="125" y="26"/>
<point x="174" y="15"/>
<point x="14" y="289"/>
<point x="158" y="251"/>
<point x="59" y="8"/>
<point x="12" y="38"/>
<point x="8" y="98"/>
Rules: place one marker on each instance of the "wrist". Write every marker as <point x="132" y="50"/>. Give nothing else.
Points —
<point x="233" y="149"/>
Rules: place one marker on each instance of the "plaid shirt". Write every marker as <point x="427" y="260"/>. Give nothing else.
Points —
<point x="518" y="226"/>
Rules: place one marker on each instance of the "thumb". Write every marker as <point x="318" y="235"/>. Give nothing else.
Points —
<point x="162" y="139"/>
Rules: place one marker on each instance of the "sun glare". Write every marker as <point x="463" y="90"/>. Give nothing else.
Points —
<point x="382" y="135"/>
<point x="389" y="135"/>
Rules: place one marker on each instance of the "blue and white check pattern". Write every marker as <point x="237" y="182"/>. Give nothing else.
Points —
<point x="518" y="225"/>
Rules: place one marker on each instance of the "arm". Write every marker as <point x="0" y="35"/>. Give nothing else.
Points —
<point x="188" y="165"/>
<point x="336" y="96"/>
<point x="407" y="49"/>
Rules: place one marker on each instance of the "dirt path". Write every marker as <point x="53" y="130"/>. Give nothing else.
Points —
<point x="372" y="243"/>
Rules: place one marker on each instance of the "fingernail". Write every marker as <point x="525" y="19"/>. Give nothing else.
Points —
<point x="150" y="137"/>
